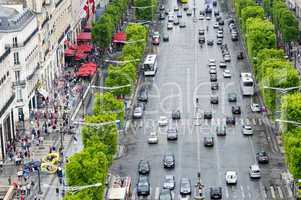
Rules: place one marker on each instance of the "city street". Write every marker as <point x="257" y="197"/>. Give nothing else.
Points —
<point x="183" y="76"/>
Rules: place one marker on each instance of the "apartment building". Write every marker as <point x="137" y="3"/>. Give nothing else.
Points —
<point x="19" y="63"/>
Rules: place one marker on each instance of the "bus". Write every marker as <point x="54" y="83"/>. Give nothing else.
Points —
<point x="246" y="84"/>
<point x="120" y="188"/>
<point x="150" y="65"/>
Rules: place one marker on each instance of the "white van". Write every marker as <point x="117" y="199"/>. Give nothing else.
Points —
<point x="254" y="171"/>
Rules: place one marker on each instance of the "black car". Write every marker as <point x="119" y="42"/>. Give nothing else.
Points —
<point x="230" y="120"/>
<point x="214" y="99"/>
<point x="176" y="21"/>
<point x="165" y="194"/>
<point x="222" y="64"/>
<point x="143" y="186"/>
<point x="179" y="15"/>
<point x="213" y="77"/>
<point x="262" y="157"/>
<point x="208" y="141"/>
<point x="143" y="167"/>
<point x="218" y="18"/>
<point x="186" y="7"/>
<point x="185" y="186"/>
<point x="214" y="86"/>
<point x="221" y="22"/>
<point x="216" y="193"/>
<point x="234" y="37"/>
<point x="216" y="13"/>
<point x="221" y="130"/>
<point x="167" y="11"/>
<point x="236" y="110"/>
<point x="143" y="95"/>
<point x="188" y="12"/>
<point x="162" y="16"/>
<point x="232" y="97"/>
<point x="165" y="37"/>
<point x="201" y="31"/>
<point x="162" y="7"/>
<point x="176" y="114"/>
<point x="169" y="161"/>
<point x="172" y="133"/>
<point x="207" y="115"/>
<point x="210" y="42"/>
<point x="214" y="3"/>
<point x="202" y="39"/>
<point x="202" y="12"/>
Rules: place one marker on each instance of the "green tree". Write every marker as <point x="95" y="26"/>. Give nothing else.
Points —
<point x="107" y="103"/>
<point x="119" y="76"/>
<point x="292" y="146"/>
<point x="101" y="35"/>
<point x="146" y="13"/>
<point x="83" y="169"/>
<point x="241" y="4"/>
<point x="279" y="74"/>
<point x="105" y="134"/>
<point x="268" y="54"/>
<point x="250" y="12"/>
<point x="291" y="110"/>
<point x="260" y="34"/>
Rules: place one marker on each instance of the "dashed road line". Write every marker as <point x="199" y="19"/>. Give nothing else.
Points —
<point x="254" y="121"/>
<point x="273" y="192"/>
<point x="280" y="192"/>
<point x="242" y="191"/>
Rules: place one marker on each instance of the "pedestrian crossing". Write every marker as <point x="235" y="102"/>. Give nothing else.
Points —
<point x="219" y="121"/>
<point x="234" y="192"/>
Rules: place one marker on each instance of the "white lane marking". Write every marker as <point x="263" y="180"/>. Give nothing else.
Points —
<point x="280" y="192"/>
<point x="157" y="193"/>
<point x="254" y="121"/>
<point x="262" y="190"/>
<point x="241" y="121"/>
<point x="242" y="192"/>
<point x="247" y="121"/>
<point x="259" y="121"/>
<point x="227" y="192"/>
<point x="273" y="192"/>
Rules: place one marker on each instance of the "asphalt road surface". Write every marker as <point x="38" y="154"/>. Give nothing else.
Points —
<point x="183" y="76"/>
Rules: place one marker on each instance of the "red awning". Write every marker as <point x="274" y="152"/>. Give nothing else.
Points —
<point x="85" y="48"/>
<point x="87" y="69"/>
<point x="80" y="55"/>
<point x="73" y="46"/>
<point x="119" y="37"/>
<point x="84" y="36"/>
<point x="69" y="52"/>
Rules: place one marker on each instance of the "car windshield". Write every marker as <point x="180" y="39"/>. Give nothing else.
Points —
<point x="185" y="184"/>
<point x="165" y="196"/>
<point x="168" y="158"/>
<point x="171" y="130"/>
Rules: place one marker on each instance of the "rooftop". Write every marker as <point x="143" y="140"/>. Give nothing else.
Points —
<point x="12" y="20"/>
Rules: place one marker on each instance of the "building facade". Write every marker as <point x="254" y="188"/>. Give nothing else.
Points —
<point x="19" y="46"/>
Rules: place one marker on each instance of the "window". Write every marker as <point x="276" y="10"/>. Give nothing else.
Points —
<point x="17" y="76"/>
<point x="16" y="58"/>
<point x="15" y="42"/>
<point x="19" y="93"/>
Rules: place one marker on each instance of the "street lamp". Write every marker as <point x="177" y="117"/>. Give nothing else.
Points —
<point x="298" y="124"/>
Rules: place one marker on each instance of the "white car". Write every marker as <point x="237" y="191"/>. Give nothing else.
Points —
<point x="254" y="171"/>
<point x="231" y="177"/>
<point x="212" y="71"/>
<point x="208" y="17"/>
<point x="247" y="129"/>
<point x="255" y="107"/>
<point x="153" y="138"/>
<point x="171" y="18"/>
<point x="227" y="58"/>
<point x="227" y="73"/>
<point x="163" y="121"/>
<point x="201" y="17"/>
<point x="169" y="26"/>
<point x="215" y="25"/>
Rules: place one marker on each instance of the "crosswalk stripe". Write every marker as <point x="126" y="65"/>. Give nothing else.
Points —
<point x="254" y="121"/>
<point x="242" y="191"/>
<point x="280" y="192"/>
<point x="273" y="192"/>
<point x="157" y="193"/>
<point x="259" y="121"/>
<point x="241" y="121"/>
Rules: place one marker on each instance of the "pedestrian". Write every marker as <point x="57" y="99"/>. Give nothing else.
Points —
<point x="9" y="180"/>
<point x="28" y="187"/>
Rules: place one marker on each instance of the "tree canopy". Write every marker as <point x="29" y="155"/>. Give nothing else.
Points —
<point x="250" y="12"/>
<point x="291" y="110"/>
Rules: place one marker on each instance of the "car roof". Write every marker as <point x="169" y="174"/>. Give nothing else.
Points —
<point x="255" y="167"/>
<point x="169" y="176"/>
